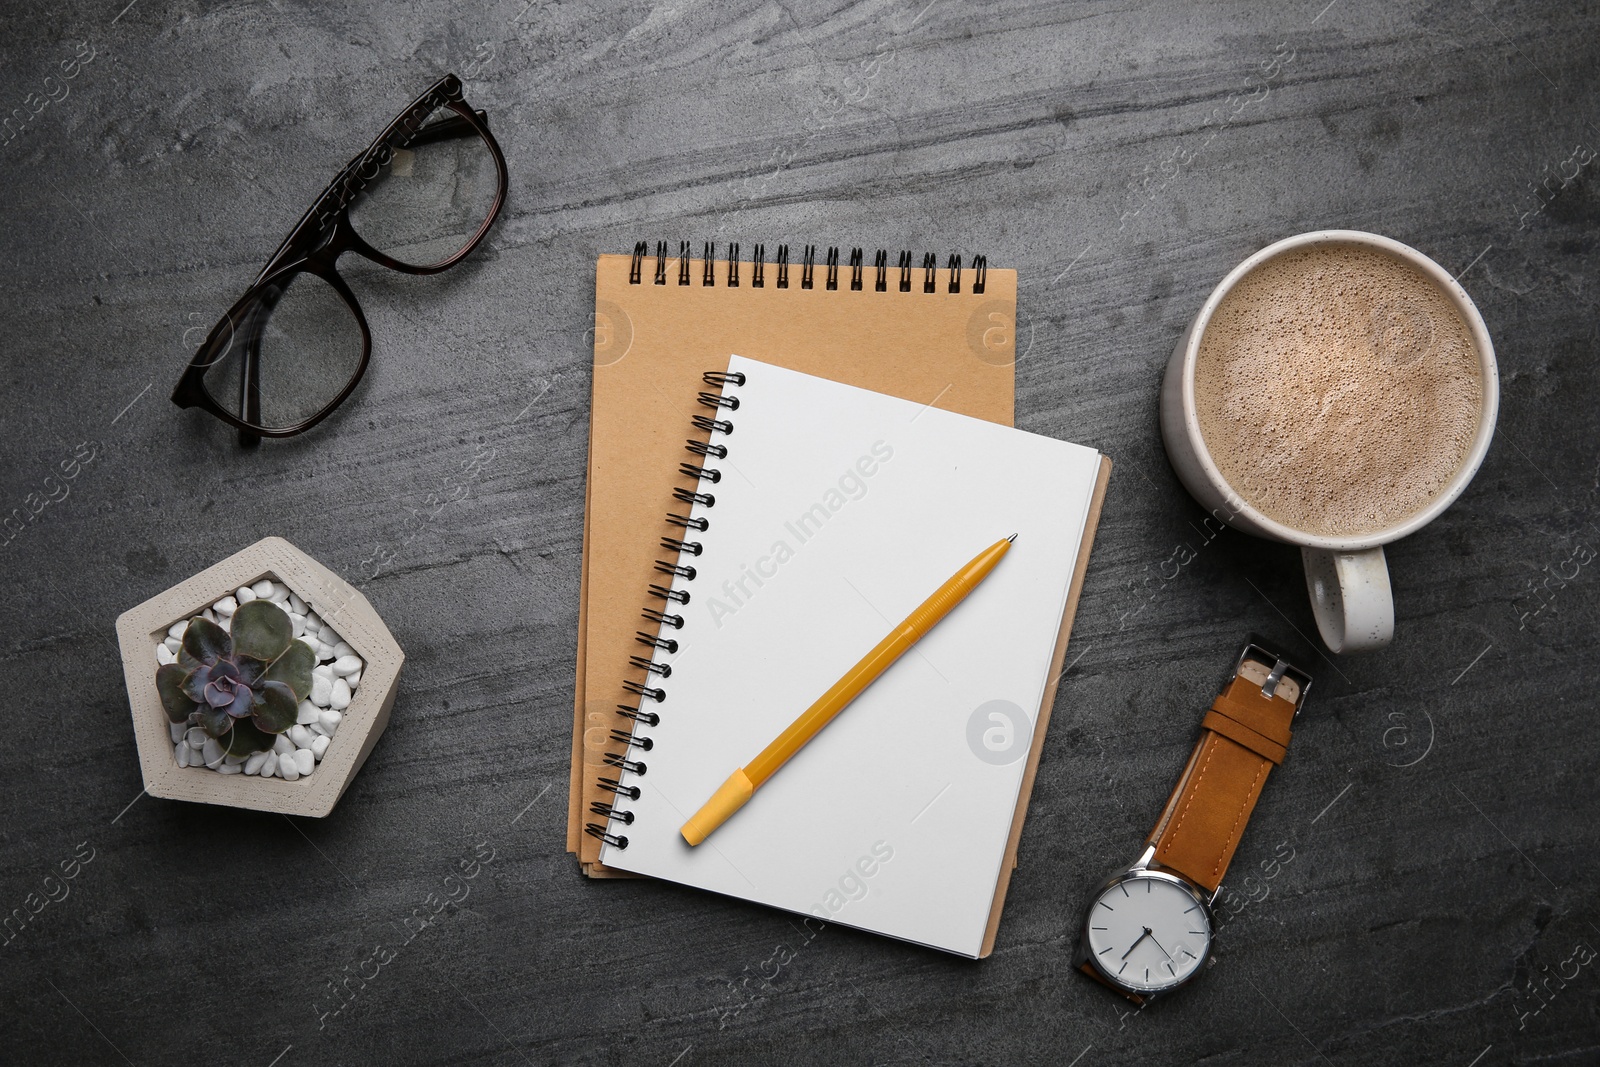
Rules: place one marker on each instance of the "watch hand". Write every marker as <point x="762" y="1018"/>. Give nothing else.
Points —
<point x="1157" y="944"/>
<point x="1136" y="941"/>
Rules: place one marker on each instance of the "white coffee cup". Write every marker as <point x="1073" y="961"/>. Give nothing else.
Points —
<point x="1347" y="577"/>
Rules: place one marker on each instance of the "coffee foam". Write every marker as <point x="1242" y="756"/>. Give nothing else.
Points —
<point x="1338" y="390"/>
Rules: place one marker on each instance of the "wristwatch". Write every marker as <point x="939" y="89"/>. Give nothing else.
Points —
<point x="1147" y="930"/>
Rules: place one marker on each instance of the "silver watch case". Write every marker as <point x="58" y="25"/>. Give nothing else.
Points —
<point x="1141" y="868"/>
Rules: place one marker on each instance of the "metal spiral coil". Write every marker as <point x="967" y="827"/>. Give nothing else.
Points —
<point x="649" y="718"/>
<point x="610" y="811"/>
<point x="690" y="497"/>
<point x="613" y="759"/>
<point x="643" y="744"/>
<point x="688" y="523"/>
<point x="674" y="621"/>
<point x="705" y="474"/>
<point x="666" y="644"/>
<point x="628" y="739"/>
<point x="758" y="266"/>
<point x="703" y="448"/>
<point x="611" y="785"/>
<point x="648" y="665"/>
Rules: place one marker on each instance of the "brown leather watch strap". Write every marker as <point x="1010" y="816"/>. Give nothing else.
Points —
<point x="1243" y="736"/>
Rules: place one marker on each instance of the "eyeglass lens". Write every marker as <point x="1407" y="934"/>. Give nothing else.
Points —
<point x="305" y="345"/>
<point x="429" y="199"/>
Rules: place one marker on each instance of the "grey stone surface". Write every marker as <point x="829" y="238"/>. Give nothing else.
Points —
<point x="1440" y="804"/>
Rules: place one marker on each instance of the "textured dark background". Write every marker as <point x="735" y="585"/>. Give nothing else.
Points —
<point x="1439" y="809"/>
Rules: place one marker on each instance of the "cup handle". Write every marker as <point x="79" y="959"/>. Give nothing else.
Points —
<point x="1350" y="597"/>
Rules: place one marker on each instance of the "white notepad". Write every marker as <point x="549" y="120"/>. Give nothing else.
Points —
<point x="837" y="512"/>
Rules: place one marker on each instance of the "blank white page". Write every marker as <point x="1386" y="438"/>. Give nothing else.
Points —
<point x="838" y="512"/>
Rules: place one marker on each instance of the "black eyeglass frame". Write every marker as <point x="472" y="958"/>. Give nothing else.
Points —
<point x="323" y="234"/>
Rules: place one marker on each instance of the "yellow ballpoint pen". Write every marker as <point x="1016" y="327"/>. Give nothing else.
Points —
<point x="743" y="783"/>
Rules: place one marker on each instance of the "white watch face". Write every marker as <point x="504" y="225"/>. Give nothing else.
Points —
<point x="1147" y="933"/>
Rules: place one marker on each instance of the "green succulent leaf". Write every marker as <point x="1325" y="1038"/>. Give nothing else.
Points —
<point x="261" y="630"/>
<point x="194" y="683"/>
<point x="203" y="642"/>
<point x="216" y="722"/>
<point x="246" y="739"/>
<point x="276" y="708"/>
<point x="251" y="670"/>
<point x="169" y="683"/>
<point x="293" y="669"/>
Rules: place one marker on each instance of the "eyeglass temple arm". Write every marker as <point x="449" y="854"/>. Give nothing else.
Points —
<point x="444" y="129"/>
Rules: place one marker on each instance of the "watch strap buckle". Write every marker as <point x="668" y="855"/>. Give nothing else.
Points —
<point x="1277" y="669"/>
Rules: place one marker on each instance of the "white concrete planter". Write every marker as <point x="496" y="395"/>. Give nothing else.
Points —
<point x="339" y="605"/>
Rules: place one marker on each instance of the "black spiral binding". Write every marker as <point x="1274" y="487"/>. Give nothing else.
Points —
<point x="630" y="739"/>
<point x="758" y="268"/>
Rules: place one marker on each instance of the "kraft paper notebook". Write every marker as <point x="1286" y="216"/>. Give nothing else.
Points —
<point x="938" y="334"/>
<point x="821" y="515"/>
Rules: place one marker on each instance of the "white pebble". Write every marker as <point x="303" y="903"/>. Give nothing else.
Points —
<point x="226" y="606"/>
<point x="287" y="770"/>
<point x="211" y="753"/>
<point x="177" y="729"/>
<point x="269" y="766"/>
<point x="228" y="768"/>
<point x="313" y="622"/>
<point x="300" y="736"/>
<point x="343" y="649"/>
<point x="282" y="745"/>
<point x="319" y="747"/>
<point x="305" y="760"/>
<point x="280" y="597"/>
<point x="328" y="637"/>
<point x="353" y="680"/>
<point x="196" y="737"/>
<point x="165" y="655"/>
<point x="262" y="589"/>
<point x="296" y="605"/>
<point x="331" y="720"/>
<point x="244" y="594"/>
<point x="321" y="690"/>
<point x="298" y="622"/>
<point x="177" y="628"/>
<point x="254" y="763"/>
<point x="180" y="752"/>
<point x="341" y="695"/>
<point x="318" y="729"/>
<point x="346" y="664"/>
<point x="307" y="713"/>
<point x="326" y="654"/>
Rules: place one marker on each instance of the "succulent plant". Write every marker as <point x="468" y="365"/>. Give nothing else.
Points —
<point x="243" y="687"/>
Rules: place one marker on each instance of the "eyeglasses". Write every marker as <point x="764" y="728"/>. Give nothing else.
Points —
<point x="293" y="347"/>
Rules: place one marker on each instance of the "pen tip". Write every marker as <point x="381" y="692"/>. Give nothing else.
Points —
<point x="1012" y="538"/>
